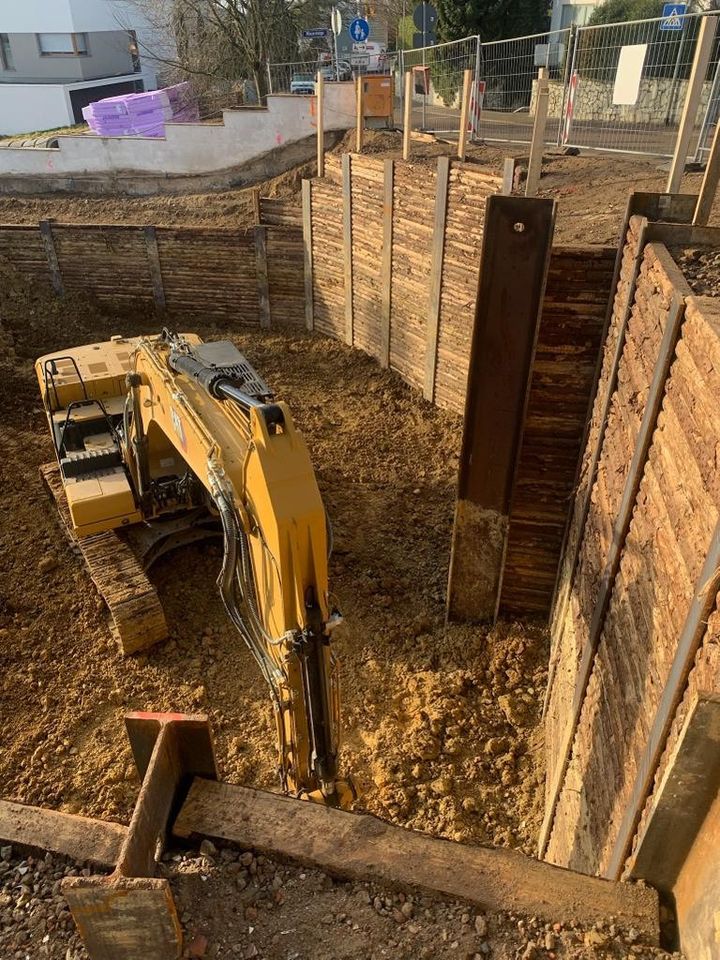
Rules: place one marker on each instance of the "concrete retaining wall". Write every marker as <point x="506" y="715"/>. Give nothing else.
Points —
<point x="188" y="149"/>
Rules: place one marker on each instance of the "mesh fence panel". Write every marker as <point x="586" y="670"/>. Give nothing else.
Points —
<point x="650" y="124"/>
<point x="438" y="83"/>
<point x="509" y="70"/>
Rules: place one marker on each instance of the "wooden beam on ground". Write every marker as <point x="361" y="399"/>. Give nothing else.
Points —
<point x="363" y="848"/>
<point x="359" y="114"/>
<point x="538" y="137"/>
<point x="683" y="797"/>
<point x="436" y="266"/>
<point x="347" y="247"/>
<point x="153" y="256"/>
<point x="320" y="101"/>
<point x="516" y="248"/>
<point x="308" y="253"/>
<point x="66" y="834"/>
<point x="261" y="270"/>
<point x="386" y="262"/>
<point x="464" y="114"/>
<point x="407" y="114"/>
<point x="710" y="182"/>
<point x="51" y="253"/>
<point x="703" y="603"/>
<point x="703" y="50"/>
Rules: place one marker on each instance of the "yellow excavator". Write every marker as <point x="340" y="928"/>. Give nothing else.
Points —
<point x="165" y="439"/>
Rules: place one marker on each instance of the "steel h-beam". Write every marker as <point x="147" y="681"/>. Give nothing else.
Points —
<point x="513" y="271"/>
<point x="130" y="915"/>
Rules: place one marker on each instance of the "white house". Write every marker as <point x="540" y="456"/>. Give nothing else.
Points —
<point x="565" y="13"/>
<point x="56" y="56"/>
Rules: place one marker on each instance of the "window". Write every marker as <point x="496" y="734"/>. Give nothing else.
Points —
<point x="63" y="44"/>
<point x="6" y="57"/>
<point x="577" y="13"/>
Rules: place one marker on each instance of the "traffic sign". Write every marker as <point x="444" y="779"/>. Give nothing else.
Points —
<point x="336" y="21"/>
<point x="672" y="16"/>
<point x="359" y="30"/>
<point x="315" y="33"/>
<point x="425" y="17"/>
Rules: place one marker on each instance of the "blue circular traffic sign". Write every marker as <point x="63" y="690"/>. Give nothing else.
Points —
<point x="359" y="30"/>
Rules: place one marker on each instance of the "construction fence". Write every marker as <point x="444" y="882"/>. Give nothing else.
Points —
<point x="619" y="86"/>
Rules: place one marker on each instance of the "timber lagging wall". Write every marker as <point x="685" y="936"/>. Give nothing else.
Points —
<point x="631" y="649"/>
<point x="415" y="232"/>
<point x="221" y="273"/>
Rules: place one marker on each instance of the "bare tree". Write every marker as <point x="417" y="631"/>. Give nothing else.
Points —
<point x="228" y="40"/>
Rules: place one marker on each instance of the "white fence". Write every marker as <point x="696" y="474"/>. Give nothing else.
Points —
<point x="584" y="67"/>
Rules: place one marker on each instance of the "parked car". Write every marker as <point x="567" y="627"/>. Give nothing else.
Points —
<point x="344" y="71"/>
<point x="303" y="83"/>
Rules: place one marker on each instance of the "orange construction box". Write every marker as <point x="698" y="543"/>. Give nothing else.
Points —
<point x="378" y="95"/>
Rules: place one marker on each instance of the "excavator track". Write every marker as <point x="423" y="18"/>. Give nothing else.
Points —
<point x="137" y="618"/>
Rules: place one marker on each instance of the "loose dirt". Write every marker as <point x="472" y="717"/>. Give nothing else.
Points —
<point x="441" y="725"/>
<point x="701" y="269"/>
<point x="592" y="191"/>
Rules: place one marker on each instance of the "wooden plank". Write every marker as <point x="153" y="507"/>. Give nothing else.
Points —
<point x="308" y="252"/>
<point x="697" y="890"/>
<point x="320" y="119"/>
<point x="706" y="589"/>
<point x="710" y="182"/>
<point x="257" y="212"/>
<point x="436" y="272"/>
<point x="363" y="848"/>
<point x="681" y="801"/>
<point x="464" y="113"/>
<point x="703" y="50"/>
<point x="359" y="114"/>
<point x="407" y="115"/>
<point x="538" y="136"/>
<point x="386" y="262"/>
<point x="621" y="526"/>
<point x="347" y="246"/>
<point x="46" y="232"/>
<point x="513" y="270"/>
<point x="261" y="266"/>
<point x="66" y="834"/>
<point x="508" y="177"/>
<point x="153" y="256"/>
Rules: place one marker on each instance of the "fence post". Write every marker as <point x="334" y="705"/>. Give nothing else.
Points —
<point x="703" y="49"/>
<point x="538" y="136"/>
<point x="386" y="262"/>
<point x="516" y="247"/>
<point x="710" y="182"/>
<point x="261" y="267"/>
<point x="508" y="178"/>
<point x="436" y="268"/>
<point x="464" y="112"/>
<point x="359" y="116"/>
<point x="153" y="255"/>
<point x="347" y="247"/>
<point x="308" y="253"/>
<point x="52" y="259"/>
<point x="257" y="212"/>
<point x="478" y="63"/>
<point x="407" y="115"/>
<point x="320" y="95"/>
<point x="569" y="66"/>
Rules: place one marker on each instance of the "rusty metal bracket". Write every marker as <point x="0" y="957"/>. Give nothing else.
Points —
<point x="131" y="915"/>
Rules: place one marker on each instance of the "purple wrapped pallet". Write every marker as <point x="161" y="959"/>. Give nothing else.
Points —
<point x="142" y="114"/>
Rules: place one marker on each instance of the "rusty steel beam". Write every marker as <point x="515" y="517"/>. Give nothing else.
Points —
<point x="130" y="915"/>
<point x="514" y="261"/>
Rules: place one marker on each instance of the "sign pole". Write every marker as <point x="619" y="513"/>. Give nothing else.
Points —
<point x="359" y="118"/>
<point x="407" y="115"/>
<point x="320" y="93"/>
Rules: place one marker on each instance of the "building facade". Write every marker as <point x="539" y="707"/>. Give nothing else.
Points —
<point x="56" y="57"/>
<point x="565" y="13"/>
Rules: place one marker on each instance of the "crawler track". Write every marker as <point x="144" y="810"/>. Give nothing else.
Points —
<point x="137" y="619"/>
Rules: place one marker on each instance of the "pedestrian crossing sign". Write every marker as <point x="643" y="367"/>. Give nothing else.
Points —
<point x="672" y="16"/>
